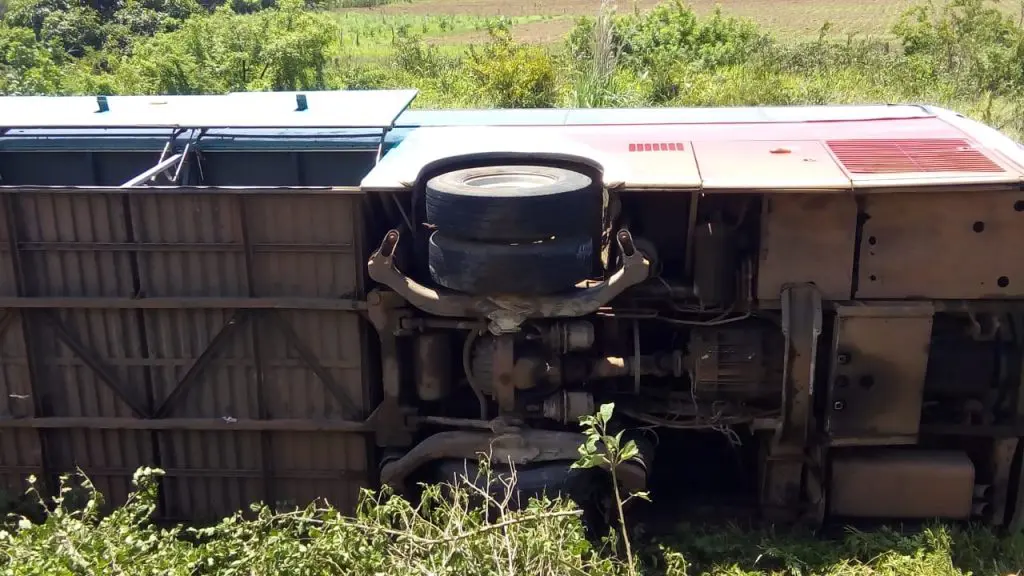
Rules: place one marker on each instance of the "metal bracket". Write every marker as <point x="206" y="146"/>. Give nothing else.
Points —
<point x="508" y="312"/>
<point x="801" y="326"/>
<point x="195" y="371"/>
<point x="103" y="372"/>
<point x="787" y="452"/>
<point x="392" y="424"/>
<point x="384" y="311"/>
<point x="504" y="362"/>
<point x="153" y="172"/>
<point x="380" y="144"/>
<point x="165" y="163"/>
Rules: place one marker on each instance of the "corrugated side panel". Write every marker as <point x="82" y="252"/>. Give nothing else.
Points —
<point x="186" y="362"/>
<point x="20" y="452"/>
<point x="58" y="238"/>
<point x="300" y="246"/>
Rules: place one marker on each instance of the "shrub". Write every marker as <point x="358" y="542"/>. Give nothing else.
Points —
<point x="971" y="40"/>
<point x="283" y="48"/>
<point x="672" y="34"/>
<point x="660" y="47"/>
<point x="412" y="55"/>
<point x="513" y="75"/>
<point x="447" y="532"/>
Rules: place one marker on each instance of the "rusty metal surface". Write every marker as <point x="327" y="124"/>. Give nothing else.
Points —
<point x="507" y="312"/>
<point x="433" y="353"/>
<point x="784" y="467"/>
<point x="733" y="362"/>
<point x="1014" y="507"/>
<point x="880" y="357"/>
<point x="1004" y="450"/>
<point x="801" y="326"/>
<point x="948" y="246"/>
<point x="807" y="238"/>
<point x="213" y="335"/>
<point x="502" y="361"/>
<point x="893" y="483"/>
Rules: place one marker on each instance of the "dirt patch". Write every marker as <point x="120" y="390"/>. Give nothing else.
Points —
<point x="545" y="32"/>
<point x="492" y="8"/>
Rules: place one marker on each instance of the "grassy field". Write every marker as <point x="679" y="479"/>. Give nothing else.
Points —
<point x="548" y="21"/>
<point x="371" y="33"/>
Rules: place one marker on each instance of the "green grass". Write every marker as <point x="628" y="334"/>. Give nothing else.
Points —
<point x="933" y="550"/>
<point x="447" y="534"/>
<point x="343" y="4"/>
<point x="788" y="19"/>
<point x="367" y="34"/>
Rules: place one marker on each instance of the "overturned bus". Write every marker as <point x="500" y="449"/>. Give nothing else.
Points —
<point x="811" y="312"/>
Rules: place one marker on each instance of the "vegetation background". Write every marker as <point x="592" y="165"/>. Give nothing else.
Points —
<point x="964" y="54"/>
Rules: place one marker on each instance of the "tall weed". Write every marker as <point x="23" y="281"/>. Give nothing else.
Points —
<point x="447" y="532"/>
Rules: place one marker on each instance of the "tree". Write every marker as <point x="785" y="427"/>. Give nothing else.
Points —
<point x="282" y="48"/>
<point x="74" y="30"/>
<point x="26" y="65"/>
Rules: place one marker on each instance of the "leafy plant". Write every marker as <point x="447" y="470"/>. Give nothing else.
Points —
<point x="513" y="75"/>
<point x="605" y="450"/>
<point x="462" y="527"/>
<point x="27" y="66"/>
<point x="73" y="30"/>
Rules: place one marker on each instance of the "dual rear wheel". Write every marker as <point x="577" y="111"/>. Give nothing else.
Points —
<point x="511" y="229"/>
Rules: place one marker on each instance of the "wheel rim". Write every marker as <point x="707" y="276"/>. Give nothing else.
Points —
<point x="514" y="180"/>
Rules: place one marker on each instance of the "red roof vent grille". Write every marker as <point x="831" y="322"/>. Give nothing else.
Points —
<point x="893" y="156"/>
<point x="656" y="147"/>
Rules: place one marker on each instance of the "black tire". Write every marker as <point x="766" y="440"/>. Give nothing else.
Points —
<point x="588" y="488"/>
<point x="531" y="268"/>
<point x="551" y="479"/>
<point x="512" y="203"/>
